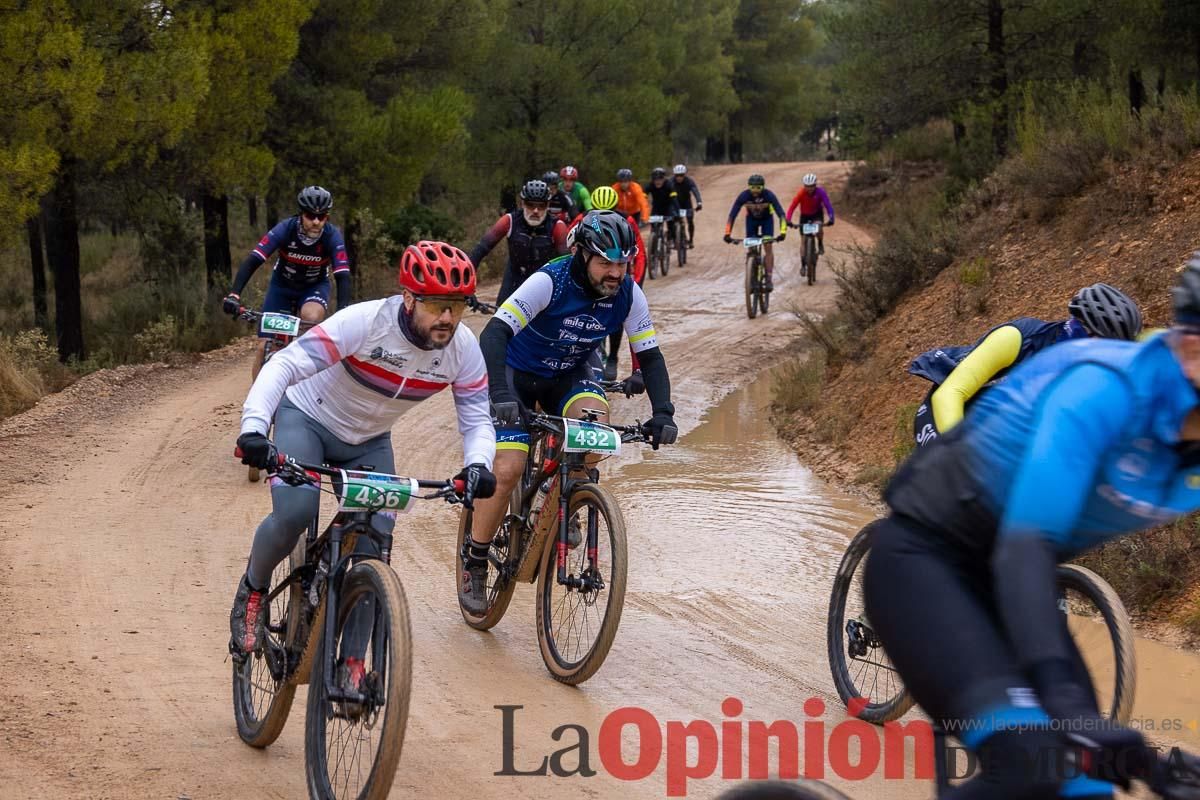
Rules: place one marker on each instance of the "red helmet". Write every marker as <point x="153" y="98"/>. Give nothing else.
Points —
<point x="436" y="268"/>
<point x="568" y="172"/>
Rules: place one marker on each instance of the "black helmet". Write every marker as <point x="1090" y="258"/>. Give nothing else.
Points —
<point x="658" y="172"/>
<point x="536" y="191"/>
<point x="757" y="180"/>
<point x="1106" y="312"/>
<point x="607" y="234"/>
<point x="551" y="178"/>
<point x="314" y="199"/>
<point x="624" y="174"/>
<point x="1185" y="297"/>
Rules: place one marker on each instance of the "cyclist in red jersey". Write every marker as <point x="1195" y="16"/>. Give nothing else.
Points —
<point x="810" y="198"/>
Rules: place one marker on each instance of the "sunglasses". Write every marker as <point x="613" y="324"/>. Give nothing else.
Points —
<point x="311" y="217"/>
<point x="440" y="305"/>
<point x="536" y="206"/>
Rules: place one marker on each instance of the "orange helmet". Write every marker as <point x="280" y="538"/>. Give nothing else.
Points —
<point x="436" y="268"/>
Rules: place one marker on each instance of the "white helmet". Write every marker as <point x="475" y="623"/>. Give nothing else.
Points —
<point x="810" y="179"/>
<point x="680" y="169"/>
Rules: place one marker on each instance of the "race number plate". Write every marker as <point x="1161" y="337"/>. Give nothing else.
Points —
<point x="591" y="437"/>
<point x="656" y="218"/>
<point x="284" y="324"/>
<point x="376" y="491"/>
<point x="751" y="242"/>
<point x="811" y="228"/>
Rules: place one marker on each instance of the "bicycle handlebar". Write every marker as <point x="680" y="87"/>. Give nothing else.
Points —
<point x="475" y="304"/>
<point x="295" y="473"/>
<point x="764" y="239"/>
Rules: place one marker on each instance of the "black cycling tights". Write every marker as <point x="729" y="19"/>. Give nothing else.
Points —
<point x="930" y="601"/>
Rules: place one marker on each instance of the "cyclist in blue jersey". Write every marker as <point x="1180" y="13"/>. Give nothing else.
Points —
<point x="960" y="373"/>
<point x="309" y="246"/>
<point x="759" y="202"/>
<point x="537" y="348"/>
<point x="1085" y="442"/>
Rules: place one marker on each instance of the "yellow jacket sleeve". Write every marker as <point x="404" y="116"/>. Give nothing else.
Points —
<point x="995" y="353"/>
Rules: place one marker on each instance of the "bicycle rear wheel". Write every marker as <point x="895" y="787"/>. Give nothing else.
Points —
<point x="576" y="627"/>
<point x="861" y="669"/>
<point x="751" y="288"/>
<point x="262" y="686"/>
<point x="352" y="749"/>
<point x="1102" y="632"/>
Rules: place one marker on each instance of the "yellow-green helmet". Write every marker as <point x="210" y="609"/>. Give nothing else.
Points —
<point x="604" y="198"/>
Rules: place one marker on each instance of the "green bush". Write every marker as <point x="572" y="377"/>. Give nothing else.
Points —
<point x="416" y="222"/>
<point x="796" y="386"/>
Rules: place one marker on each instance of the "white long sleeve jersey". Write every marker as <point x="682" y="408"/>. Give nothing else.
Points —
<point x="356" y="374"/>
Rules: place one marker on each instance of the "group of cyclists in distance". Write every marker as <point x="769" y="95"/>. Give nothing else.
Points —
<point x="1043" y="439"/>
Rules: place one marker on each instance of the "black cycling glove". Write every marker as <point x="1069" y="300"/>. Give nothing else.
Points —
<point x="480" y="483"/>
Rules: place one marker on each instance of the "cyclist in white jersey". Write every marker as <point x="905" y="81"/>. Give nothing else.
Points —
<point x="337" y="391"/>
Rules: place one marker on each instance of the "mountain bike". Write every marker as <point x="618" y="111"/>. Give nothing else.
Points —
<point x="679" y="223"/>
<point x="356" y="660"/>
<point x="861" y="669"/>
<point x="758" y="298"/>
<point x="557" y="506"/>
<point x="280" y="330"/>
<point x="659" y="261"/>
<point x="808" y="252"/>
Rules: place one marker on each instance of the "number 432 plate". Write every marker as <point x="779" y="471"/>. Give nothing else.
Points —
<point x="591" y="437"/>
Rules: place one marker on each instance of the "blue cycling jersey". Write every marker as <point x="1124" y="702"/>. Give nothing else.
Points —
<point x="1081" y="443"/>
<point x="557" y="324"/>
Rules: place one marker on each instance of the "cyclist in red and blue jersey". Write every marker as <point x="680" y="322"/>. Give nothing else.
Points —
<point x="759" y="202"/>
<point x="810" y="198"/>
<point x="309" y="246"/>
<point x="1088" y="441"/>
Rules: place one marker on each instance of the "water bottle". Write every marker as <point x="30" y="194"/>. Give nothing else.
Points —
<point x="539" y="500"/>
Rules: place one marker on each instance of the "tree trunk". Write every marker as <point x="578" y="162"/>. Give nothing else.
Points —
<point x="217" y="261"/>
<point x="999" y="76"/>
<point x="272" y="202"/>
<point x="252" y="210"/>
<point x="62" y="251"/>
<point x="33" y="227"/>
<point x="350" y="234"/>
<point x="1137" y="91"/>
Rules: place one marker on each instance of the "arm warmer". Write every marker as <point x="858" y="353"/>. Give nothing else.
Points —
<point x="494" y="344"/>
<point x="343" y="289"/>
<point x="658" y="381"/>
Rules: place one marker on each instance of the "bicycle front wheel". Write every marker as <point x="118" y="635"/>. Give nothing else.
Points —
<point x="861" y="669"/>
<point x="810" y="259"/>
<point x="652" y="267"/>
<point x="263" y="689"/>
<point x="352" y="749"/>
<point x="664" y="257"/>
<point x="576" y="626"/>
<point x="1100" y="627"/>
<point x="505" y="549"/>
<point x="751" y="288"/>
<point x="764" y="297"/>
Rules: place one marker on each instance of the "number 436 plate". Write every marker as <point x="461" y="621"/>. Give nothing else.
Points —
<point x="591" y="437"/>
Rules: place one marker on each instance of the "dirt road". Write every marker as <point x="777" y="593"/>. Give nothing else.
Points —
<point x="127" y="524"/>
